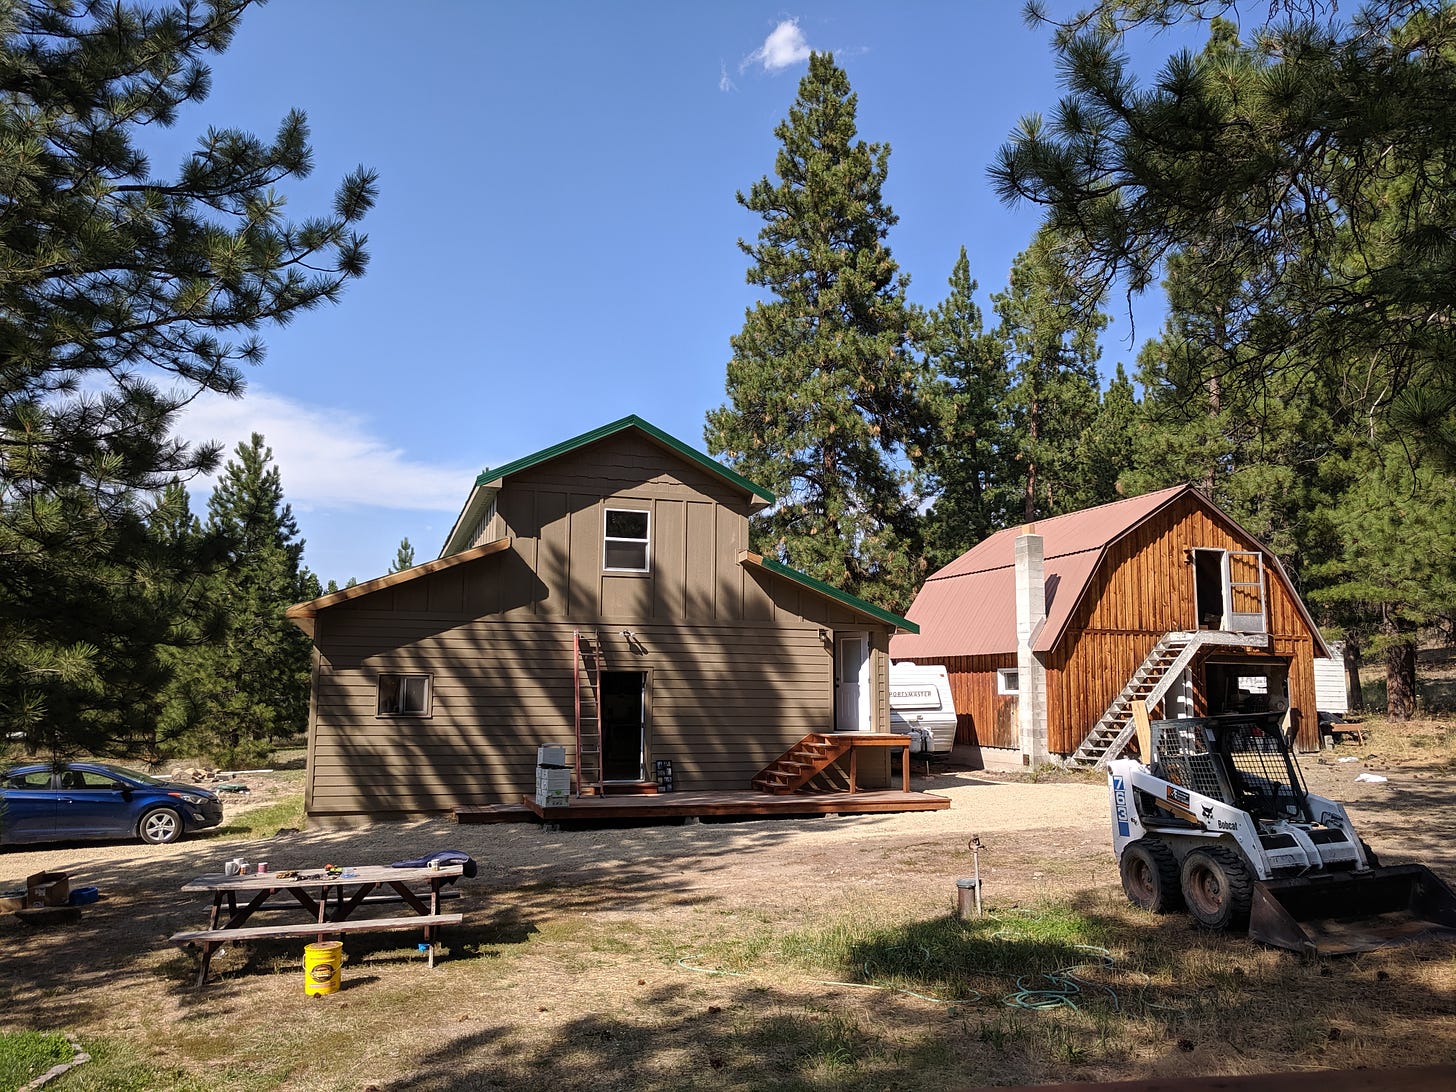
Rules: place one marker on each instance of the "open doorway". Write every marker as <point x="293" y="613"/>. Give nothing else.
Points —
<point x="1229" y="590"/>
<point x="1246" y="686"/>
<point x="624" y="724"/>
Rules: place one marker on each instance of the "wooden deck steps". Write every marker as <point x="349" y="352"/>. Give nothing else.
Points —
<point x="799" y="765"/>
<point x="809" y="763"/>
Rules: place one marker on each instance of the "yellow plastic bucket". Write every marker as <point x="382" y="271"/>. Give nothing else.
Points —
<point x="322" y="963"/>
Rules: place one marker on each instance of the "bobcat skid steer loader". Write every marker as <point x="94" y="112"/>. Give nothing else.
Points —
<point x="1218" y="819"/>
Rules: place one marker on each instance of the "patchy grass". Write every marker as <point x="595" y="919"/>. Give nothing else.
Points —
<point x="266" y="820"/>
<point x="25" y="1055"/>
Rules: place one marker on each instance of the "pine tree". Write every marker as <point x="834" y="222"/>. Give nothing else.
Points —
<point x="1396" y="525"/>
<point x="1310" y="165"/>
<point x="248" y="684"/>
<point x="1106" y="447"/>
<point x="968" y="469"/>
<point x="826" y="399"/>
<point x="404" y="557"/>
<point x="120" y="293"/>
<point x="1052" y="350"/>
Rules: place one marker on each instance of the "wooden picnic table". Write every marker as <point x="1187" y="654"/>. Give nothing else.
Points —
<point x="330" y="900"/>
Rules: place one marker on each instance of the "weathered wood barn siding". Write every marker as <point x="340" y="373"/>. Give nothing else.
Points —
<point x="984" y="718"/>
<point x="1143" y="589"/>
<point x="739" y="662"/>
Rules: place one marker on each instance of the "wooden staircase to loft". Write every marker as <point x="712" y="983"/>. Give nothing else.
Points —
<point x="1150" y="684"/>
<point x="586" y="659"/>
<point x="800" y="764"/>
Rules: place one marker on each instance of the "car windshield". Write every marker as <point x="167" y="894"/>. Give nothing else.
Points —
<point x="130" y="775"/>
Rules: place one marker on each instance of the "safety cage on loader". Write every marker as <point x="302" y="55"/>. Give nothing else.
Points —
<point x="1217" y="817"/>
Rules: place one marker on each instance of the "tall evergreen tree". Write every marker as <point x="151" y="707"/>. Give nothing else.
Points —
<point x="969" y="471"/>
<point x="404" y="557"/>
<point x="1396" y="524"/>
<point x="120" y="294"/>
<point x="1106" y="447"/>
<point x="1311" y="166"/>
<point x="826" y="400"/>
<point x="247" y="685"/>
<point x="1053" y="352"/>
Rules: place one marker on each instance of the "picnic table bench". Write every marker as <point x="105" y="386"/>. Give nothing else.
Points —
<point x="330" y="901"/>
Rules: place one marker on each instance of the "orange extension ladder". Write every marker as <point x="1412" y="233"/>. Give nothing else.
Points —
<point x="586" y="656"/>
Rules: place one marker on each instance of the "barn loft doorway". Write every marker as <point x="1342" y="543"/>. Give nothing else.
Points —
<point x="1229" y="590"/>
<point x="624" y="724"/>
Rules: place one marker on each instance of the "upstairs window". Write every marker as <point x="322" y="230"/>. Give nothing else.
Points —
<point x="626" y="541"/>
<point x="404" y="695"/>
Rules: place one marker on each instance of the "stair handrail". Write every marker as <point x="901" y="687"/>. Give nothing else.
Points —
<point x="1194" y="642"/>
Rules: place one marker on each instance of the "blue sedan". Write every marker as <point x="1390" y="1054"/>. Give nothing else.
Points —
<point x="43" y="803"/>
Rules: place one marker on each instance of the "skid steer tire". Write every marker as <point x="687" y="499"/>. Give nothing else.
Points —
<point x="1218" y="888"/>
<point x="1150" y="876"/>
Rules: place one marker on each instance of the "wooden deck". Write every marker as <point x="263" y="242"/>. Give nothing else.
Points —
<point x="668" y="805"/>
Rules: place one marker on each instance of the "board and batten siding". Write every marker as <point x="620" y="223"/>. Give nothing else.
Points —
<point x="984" y="718"/>
<point x="740" y="660"/>
<point x="1144" y="589"/>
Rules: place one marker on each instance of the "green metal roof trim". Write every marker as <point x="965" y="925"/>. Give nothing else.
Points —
<point x="852" y="601"/>
<point x="633" y="421"/>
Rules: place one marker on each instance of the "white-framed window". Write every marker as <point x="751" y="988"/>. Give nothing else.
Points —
<point x="626" y="540"/>
<point x="404" y="695"/>
<point x="1008" y="680"/>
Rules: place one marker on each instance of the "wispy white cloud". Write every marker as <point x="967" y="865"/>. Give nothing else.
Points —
<point x="784" y="46"/>
<point x="328" y="458"/>
<point x="724" y="83"/>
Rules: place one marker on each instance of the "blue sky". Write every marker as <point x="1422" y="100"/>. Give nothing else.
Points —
<point x="554" y="245"/>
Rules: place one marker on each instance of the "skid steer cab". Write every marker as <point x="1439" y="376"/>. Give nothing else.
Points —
<point x="1218" y="820"/>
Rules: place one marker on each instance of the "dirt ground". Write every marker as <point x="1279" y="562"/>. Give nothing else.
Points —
<point x="576" y="966"/>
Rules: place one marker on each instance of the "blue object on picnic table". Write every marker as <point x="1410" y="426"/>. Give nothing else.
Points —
<point x="444" y="857"/>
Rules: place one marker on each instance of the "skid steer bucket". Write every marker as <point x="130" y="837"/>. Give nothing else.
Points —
<point x="1343" y="912"/>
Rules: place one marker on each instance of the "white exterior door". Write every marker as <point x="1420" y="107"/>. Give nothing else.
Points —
<point x="851" y="682"/>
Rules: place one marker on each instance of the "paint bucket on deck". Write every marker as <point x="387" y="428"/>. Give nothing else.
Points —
<point x="322" y="963"/>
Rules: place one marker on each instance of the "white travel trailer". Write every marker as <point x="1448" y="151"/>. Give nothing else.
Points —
<point x="921" y="706"/>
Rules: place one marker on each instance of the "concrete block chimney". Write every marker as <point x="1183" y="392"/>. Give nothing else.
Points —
<point x="1031" y="705"/>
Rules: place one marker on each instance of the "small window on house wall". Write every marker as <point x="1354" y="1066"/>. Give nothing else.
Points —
<point x="404" y="695"/>
<point x="1008" y="680"/>
<point x="626" y="541"/>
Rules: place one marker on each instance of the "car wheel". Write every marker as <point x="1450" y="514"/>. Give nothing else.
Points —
<point x="160" y="826"/>
<point x="1150" y="876"/>
<point x="1218" y="888"/>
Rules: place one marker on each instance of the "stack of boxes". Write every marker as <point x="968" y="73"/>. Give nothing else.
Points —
<point x="553" y="779"/>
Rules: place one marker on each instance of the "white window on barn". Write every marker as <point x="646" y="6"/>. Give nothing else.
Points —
<point x="404" y="695"/>
<point x="1008" y="680"/>
<point x="626" y="541"/>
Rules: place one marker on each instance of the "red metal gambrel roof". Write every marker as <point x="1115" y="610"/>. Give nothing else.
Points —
<point x="968" y="608"/>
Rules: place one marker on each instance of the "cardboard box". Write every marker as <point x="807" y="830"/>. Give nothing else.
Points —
<point x="47" y="889"/>
<point x="551" y="756"/>
<point x="552" y="798"/>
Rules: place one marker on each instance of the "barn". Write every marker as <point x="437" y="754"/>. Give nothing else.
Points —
<point x="598" y="595"/>
<point x="1052" y="630"/>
